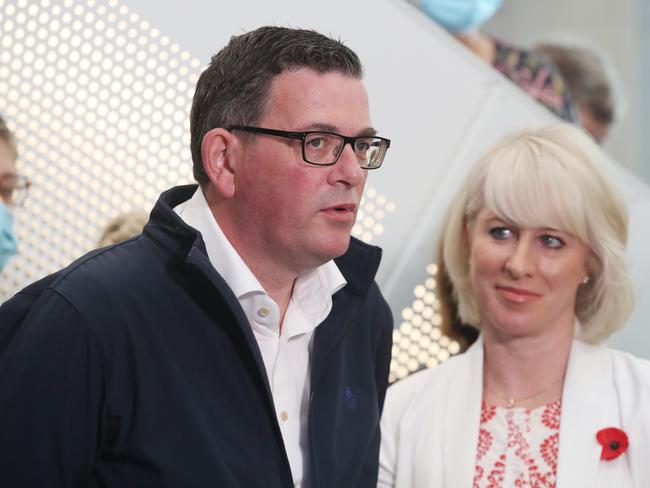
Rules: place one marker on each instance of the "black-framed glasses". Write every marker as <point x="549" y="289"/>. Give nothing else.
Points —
<point x="324" y="148"/>
<point x="13" y="189"/>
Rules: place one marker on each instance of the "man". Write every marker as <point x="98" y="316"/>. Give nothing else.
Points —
<point x="12" y="191"/>
<point x="223" y="347"/>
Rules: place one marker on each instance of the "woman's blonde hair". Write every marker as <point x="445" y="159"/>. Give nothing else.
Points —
<point x="554" y="177"/>
<point x="123" y="227"/>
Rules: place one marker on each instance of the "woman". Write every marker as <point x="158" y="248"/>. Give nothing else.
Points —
<point x="534" y="247"/>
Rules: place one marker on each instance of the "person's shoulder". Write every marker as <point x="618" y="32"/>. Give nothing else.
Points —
<point x="630" y="373"/>
<point x="98" y="275"/>
<point x="629" y="366"/>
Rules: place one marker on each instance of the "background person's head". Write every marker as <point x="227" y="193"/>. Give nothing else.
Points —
<point x="10" y="186"/>
<point x="122" y="227"/>
<point x="8" y="157"/>
<point x="592" y="82"/>
<point x="549" y="178"/>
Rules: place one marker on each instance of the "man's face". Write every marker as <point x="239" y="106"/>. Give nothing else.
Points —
<point x="296" y="214"/>
<point x="7" y="172"/>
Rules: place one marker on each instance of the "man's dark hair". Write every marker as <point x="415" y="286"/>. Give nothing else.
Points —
<point x="234" y="88"/>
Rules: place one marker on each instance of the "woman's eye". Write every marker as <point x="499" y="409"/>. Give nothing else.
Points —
<point x="552" y="241"/>
<point x="501" y="233"/>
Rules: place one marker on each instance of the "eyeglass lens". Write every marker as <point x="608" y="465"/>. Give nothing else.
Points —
<point x="13" y="189"/>
<point x="324" y="148"/>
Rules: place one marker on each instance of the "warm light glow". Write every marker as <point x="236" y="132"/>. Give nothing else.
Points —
<point x="418" y="342"/>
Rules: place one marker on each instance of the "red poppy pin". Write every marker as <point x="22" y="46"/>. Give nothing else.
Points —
<point x="614" y="442"/>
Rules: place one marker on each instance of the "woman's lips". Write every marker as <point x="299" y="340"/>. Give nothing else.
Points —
<point x="517" y="295"/>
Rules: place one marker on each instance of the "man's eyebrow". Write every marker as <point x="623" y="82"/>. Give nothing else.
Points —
<point x="368" y="131"/>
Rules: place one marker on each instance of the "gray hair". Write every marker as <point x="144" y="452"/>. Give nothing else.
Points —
<point x="590" y="77"/>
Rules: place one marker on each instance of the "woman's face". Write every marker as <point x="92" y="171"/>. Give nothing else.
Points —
<point x="525" y="280"/>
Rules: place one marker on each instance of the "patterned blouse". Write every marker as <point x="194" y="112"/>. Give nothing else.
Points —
<point x="517" y="447"/>
<point x="537" y="76"/>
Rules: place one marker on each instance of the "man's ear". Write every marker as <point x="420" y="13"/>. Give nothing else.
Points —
<point x="220" y="151"/>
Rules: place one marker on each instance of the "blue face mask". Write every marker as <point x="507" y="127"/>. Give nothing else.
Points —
<point x="460" y="15"/>
<point x="8" y="241"/>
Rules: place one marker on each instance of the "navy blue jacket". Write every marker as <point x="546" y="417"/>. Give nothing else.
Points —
<point x="135" y="366"/>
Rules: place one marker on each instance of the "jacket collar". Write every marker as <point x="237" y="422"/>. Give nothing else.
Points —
<point x="463" y="419"/>
<point x="358" y="266"/>
<point x="168" y="229"/>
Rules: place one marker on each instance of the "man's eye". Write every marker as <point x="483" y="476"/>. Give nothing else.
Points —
<point x="501" y="233"/>
<point x="361" y="146"/>
<point x="316" y="142"/>
<point x="552" y="241"/>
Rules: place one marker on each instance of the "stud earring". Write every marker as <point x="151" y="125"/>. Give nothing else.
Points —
<point x="585" y="280"/>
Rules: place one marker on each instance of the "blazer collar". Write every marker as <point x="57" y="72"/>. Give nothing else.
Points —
<point x="463" y="418"/>
<point x="589" y="403"/>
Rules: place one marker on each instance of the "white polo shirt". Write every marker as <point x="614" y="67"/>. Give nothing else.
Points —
<point x="286" y="354"/>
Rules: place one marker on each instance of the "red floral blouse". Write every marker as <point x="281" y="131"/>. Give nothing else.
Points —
<point x="517" y="447"/>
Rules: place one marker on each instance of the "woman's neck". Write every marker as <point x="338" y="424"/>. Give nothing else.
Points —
<point x="524" y="372"/>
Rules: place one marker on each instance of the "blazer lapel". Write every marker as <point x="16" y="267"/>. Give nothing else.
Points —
<point x="462" y="419"/>
<point x="588" y="405"/>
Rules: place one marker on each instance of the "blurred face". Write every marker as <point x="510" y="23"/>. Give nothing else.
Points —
<point x="525" y="280"/>
<point x="7" y="172"/>
<point x="297" y="214"/>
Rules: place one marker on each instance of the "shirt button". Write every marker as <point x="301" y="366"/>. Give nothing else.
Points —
<point x="284" y="416"/>
<point x="263" y="312"/>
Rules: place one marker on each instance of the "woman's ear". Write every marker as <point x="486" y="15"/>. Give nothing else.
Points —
<point x="220" y="151"/>
<point x="467" y="233"/>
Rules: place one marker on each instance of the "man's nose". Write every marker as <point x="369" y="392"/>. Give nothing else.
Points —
<point x="347" y="169"/>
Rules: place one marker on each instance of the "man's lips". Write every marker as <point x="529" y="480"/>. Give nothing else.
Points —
<point x="517" y="295"/>
<point x="343" y="212"/>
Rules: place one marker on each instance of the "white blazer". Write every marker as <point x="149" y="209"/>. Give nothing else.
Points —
<point x="431" y="422"/>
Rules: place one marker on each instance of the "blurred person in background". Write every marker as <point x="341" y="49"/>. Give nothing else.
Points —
<point x="13" y="190"/>
<point x="534" y="245"/>
<point x="593" y="83"/>
<point x="528" y="69"/>
<point x="123" y="227"/>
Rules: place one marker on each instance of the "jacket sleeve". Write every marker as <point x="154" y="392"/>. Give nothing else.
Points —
<point x="51" y="396"/>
